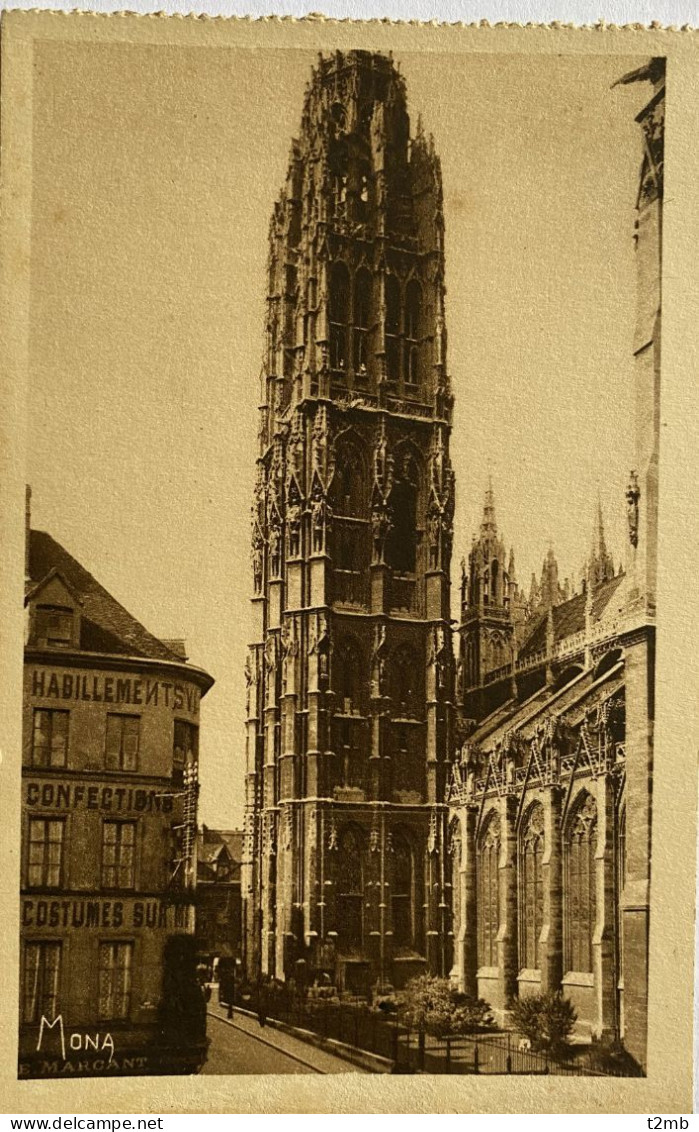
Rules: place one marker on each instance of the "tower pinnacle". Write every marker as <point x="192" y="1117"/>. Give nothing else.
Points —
<point x="601" y="564"/>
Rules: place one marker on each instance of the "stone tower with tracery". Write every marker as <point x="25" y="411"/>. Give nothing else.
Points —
<point x="350" y="673"/>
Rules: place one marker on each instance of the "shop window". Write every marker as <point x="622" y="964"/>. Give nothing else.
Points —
<point x="41" y="980"/>
<point x="118" y="854"/>
<point x="45" y="852"/>
<point x="115" y="966"/>
<point x="580" y="885"/>
<point x="121" y="748"/>
<point x="49" y="738"/>
<point x="488" y="907"/>
<point x="531" y="886"/>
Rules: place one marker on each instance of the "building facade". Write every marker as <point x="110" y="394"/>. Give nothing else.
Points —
<point x="551" y="787"/>
<point x="350" y="675"/>
<point x="219" y="915"/>
<point x="109" y="794"/>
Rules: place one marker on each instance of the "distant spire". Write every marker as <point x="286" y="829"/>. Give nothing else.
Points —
<point x="550" y="593"/>
<point x="601" y="565"/>
<point x="534" y="596"/>
<point x="598" y="543"/>
<point x="511" y="565"/>
<point x="488" y="525"/>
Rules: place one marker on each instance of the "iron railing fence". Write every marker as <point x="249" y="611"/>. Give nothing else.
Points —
<point x="356" y="1024"/>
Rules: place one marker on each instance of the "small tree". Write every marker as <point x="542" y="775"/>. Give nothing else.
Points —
<point x="546" y="1019"/>
<point x="432" y="1006"/>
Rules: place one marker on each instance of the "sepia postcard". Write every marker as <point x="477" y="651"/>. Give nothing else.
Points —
<point x="348" y="546"/>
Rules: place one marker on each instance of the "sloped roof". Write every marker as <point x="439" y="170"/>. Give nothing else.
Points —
<point x="214" y="843"/>
<point x="211" y="842"/>
<point x="105" y="625"/>
<point x="569" y="617"/>
<point x="571" y="703"/>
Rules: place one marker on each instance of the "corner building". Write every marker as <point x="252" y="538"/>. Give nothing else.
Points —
<point x="109" y="794"/>
<point x="350" y="675"/>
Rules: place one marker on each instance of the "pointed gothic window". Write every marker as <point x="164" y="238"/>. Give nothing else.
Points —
<point x="392" y="292"/>
<point x="339" y="312"/>
<point x="405" y="682"/>
<point x="403" y="896"/>
<point x="620" y="882"/>
<point x="494" y="581"/>
<point x="455" y="852"/>
<point x="350" y="540"/>
<point x="362" y="319"/>
<point x="349" y="670"/>
<point x="531" y="887"/>
<point x="349" y="483"/>
<point x="350" y="890"/>
<point x="580" y="885"/>
<point x="340" y="195"/>
<point x="351" y="765"/>
<point x="488" y="906"/>
<point x="401" y="544"/>
<point x="363" y="174"/>
<point x="413" y="312"/>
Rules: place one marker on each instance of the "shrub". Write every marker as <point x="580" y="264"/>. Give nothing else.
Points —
<point x="609" y="1055"/>
<point x="431" y="1005"/>
<point x="546" y="1019"/>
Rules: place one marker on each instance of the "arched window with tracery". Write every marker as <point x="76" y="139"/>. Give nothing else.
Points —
<point x="405" y="682"/>
<point x="580" y="884"/>
<point x="494" y="577"/>
<point x="402" y="894"/>
<point x="392" y="329"/>
<point x="488" y="892"/>
<point x="620" y="868"/>
<point x="401" y="543"/>
<point x="363" y="190"/>
<point x="351" y="535"/>
<point x="349" y="486"/>
<point x="350" y="889"/>
<point x="348" y="672"/>
<point x="413" y="316"/>
<point x="486" y="586"/>
<point x="362" y="322"/>
<point x="531" y="886"/>
<point x="339" y="302"/>
<point x="454" y="846"/>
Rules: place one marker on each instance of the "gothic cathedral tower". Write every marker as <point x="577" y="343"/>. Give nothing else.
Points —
<point x="350" y="676"/>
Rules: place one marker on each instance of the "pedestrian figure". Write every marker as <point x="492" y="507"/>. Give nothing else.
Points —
<point x="262" y="1007"/>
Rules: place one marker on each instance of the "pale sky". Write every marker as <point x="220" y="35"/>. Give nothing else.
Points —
<point x="155" y="172"/>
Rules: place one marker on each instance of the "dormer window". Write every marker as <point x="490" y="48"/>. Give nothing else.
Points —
<point x="54" y="625"/>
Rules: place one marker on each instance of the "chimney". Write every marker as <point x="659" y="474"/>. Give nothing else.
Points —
<point x="177" y="646"/>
